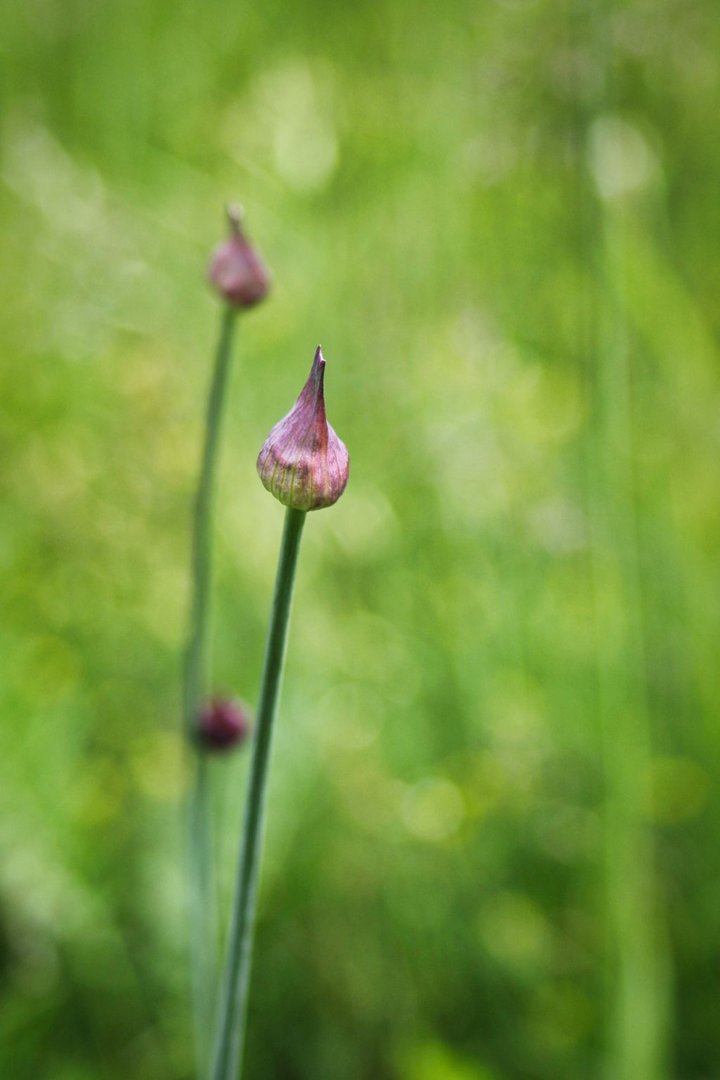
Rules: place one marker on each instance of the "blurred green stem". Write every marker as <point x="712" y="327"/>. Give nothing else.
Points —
<point x="230" y="1033"/>
<point x="637" y="975"/>
<point x="639" y="962"/>
<point x="195" y="656"/>
<point x="203" y="911"/>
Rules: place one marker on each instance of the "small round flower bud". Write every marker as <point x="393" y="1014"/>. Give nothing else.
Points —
<point x="303" y="463"/>
<point x="222" y="724"/>
<point x="236" y="270"/>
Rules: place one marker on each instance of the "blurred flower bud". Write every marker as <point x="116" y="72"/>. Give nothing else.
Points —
<point x="303" y="463"/>
<point x="222" y="724"/>
<point x="236" y="270"/>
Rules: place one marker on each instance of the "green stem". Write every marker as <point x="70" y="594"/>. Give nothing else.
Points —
<point x="230" y="1032"/>
<point x="201" y="528"/>
<point x="202" y="878"/>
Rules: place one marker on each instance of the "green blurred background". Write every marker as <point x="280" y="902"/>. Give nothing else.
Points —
<point x="493" y="845"/>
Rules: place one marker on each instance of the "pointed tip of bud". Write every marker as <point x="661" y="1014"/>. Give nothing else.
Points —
<point x="303" y="463"/>
<point x="236" y="270"/>
<point x="315" y="385"/>
<point x="235" y="215"/>
<point x="222" y="724"/>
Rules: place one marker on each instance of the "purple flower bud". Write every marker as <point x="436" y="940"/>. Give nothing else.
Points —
<point x="303" y="463"/>
<point x="236" y="270"/>
<point x="222" y="724"/>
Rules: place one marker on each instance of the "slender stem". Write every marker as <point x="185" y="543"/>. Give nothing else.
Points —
<point x="203" y="908"/>
<point x="230" y="1033"/>
<point x="201" y="528"/>
<point x="203" y="903"/>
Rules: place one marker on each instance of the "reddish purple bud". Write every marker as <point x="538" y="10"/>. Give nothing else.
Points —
<point x="222" y="724"/>
<point x="236" y="270"/>
<point x="303" y="463"/>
